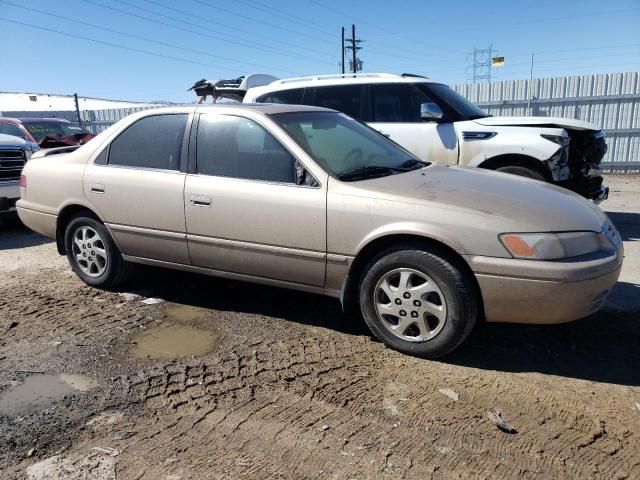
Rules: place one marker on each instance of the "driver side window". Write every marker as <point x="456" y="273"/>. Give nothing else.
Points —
<point x="230" y="146"/>
<point x="397" y="103"/>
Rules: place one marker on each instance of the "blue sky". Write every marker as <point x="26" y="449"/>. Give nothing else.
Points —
<point x="169" y="45"/>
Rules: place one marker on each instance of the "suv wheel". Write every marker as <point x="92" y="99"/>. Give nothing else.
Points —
<point x="418" y="301"/>
<point x="93" y="254"/>
<point x="523" y="172"/>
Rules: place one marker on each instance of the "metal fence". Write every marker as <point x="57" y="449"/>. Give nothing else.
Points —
<point x="610" y="100"/>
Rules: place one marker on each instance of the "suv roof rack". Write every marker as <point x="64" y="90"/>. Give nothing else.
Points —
<point x="336" y="76"/>
<point x="412" y="75"/>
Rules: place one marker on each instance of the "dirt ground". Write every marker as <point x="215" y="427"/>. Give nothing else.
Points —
<point x="287" y="387"/>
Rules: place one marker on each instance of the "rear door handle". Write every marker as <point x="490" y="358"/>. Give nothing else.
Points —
<point x="200" y="200"/>
<point x="97" y="187"/>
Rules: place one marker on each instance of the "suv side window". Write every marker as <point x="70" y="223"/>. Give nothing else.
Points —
<point x="397" y="102"/>
<point x="229" y="146"/>
<point x="344" y="98"/>
<point x="9" y="129"/>
<point x="290" y="97"/>
<point x="151" y="142"/>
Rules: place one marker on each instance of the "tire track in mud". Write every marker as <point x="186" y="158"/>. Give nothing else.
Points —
<point x="277" y="398"/>
<point x="259" y="409"/>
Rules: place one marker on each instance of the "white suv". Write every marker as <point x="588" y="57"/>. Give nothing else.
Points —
<point x="437" y="124"/>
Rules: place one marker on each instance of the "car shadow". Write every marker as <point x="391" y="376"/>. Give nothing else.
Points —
<point x="235" y="296"/>
<point x="627" y="223"/>
<point x="13" y="234"/>
<point x="601" y="348"/>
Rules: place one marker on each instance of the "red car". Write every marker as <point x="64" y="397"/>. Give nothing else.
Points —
<point x="46" y="132"/>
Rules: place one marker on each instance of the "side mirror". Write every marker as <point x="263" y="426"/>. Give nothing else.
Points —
<point x="430" y="112"/>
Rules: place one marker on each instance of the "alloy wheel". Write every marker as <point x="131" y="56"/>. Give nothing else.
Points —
<point x="410" y="305"/>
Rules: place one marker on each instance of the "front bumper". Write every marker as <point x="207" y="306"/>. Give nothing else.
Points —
<point x="9" y="194"/>
<point x="540" y="292"/>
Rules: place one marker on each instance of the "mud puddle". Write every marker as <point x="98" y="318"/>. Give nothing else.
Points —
<point x="38" y="391"/>
<point x="176" y="339"/>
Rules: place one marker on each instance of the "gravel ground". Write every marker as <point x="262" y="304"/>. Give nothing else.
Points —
<point x="290" y="388"/>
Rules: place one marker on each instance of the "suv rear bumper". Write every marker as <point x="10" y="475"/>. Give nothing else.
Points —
<point x="540" y="292"/>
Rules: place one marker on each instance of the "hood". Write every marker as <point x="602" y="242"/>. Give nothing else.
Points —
<point x="556" y="122"/>
<point x="12" y="142"/>
<point x="509" y="202"/>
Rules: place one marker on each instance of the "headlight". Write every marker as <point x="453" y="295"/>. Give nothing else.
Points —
<point x="550" y="246"/>
<point x="557" y="139"/>
<point x="28" y="153"/>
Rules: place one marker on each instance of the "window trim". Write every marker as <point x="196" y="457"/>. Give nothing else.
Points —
<point x="184" y="149"/>
<point x="193" y="147"/>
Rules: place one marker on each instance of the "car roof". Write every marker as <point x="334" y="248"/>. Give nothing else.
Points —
<point x="44" y="119"/>
<point x="267" y="108"/>
<point x="338" y="79"/>
<point x="263" y="108"/>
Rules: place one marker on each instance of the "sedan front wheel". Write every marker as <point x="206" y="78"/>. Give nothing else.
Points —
<point x="418" y="301"/>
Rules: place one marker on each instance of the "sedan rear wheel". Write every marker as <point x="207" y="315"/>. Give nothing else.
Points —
<point x="92" y="253"/>
<point x="420" y="301"/>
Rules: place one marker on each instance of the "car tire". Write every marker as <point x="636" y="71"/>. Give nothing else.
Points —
<point x="522" y="172"/>
<point x="92" y="253"/>
<point x="424" y="279"/>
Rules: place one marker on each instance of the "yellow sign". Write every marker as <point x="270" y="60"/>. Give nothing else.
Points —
<point x="497" y="61"/>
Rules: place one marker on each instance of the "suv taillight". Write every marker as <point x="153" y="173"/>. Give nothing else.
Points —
<point x="23" y="181"/>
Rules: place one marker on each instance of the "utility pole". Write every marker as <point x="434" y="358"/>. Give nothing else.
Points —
<point x="342" y="50"/>
<point x="356" y="63"/>
<point x="75" y="98"/>
<point x="530" y="89"/>
<point x="482" y="63"/>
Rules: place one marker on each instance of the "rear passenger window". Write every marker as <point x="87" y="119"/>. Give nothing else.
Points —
<point x="151" y="142"/>
<point x="345" y="98"/>
<point x="237" y="147"/>
<point x="289" y="97"/>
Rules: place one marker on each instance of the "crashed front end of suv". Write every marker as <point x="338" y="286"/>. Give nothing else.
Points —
<point x="576" y="161"/>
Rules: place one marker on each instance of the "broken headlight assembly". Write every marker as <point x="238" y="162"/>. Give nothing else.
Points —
<point x="551" y="246"/>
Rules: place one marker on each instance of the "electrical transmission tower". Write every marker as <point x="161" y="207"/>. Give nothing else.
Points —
<point x="482" y="63"/>
<point x="355" y="64"/>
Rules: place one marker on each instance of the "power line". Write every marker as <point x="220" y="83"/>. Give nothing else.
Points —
<point x="239" y="39"/>
<point x="510" y="24"/>
<point x="217" y="8"/>
<point x="276" y="12"/>
<point x="130" y="35"/>
<point x="298" y="57"/>
<point x="507" y="64"/>
<point x="101" y="42"/>
<point x="208" y="20"/>
<point x="377" y="27"/>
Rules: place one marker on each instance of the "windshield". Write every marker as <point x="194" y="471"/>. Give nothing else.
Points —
<point x="463" y="108"/>
<point x="345" y="147"/>
<point x="41" y="129"/>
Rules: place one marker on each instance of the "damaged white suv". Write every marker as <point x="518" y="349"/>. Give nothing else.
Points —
<point x="435" y="123"/>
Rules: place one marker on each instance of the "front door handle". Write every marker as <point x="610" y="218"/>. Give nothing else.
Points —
<point x="97" y="187"/>
<point x="200" y="200"/>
